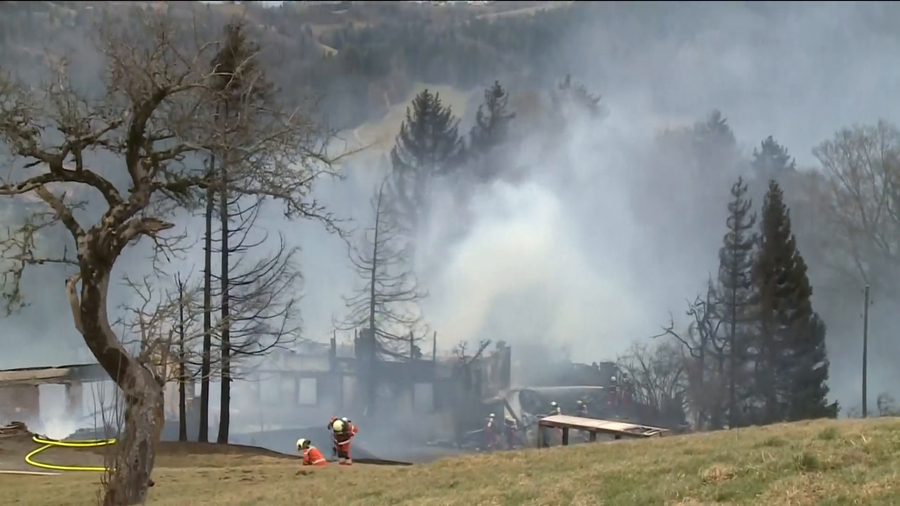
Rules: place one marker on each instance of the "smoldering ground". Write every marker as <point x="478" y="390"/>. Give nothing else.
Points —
<point x="608" y="232"/>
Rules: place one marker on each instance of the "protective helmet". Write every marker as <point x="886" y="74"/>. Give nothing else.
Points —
<point x="345" y="420"/>
<point x="492" y="415"/>
<point x="613" y="379"/>
<point x="338" y="426"/>
<point x="302" y="443"/>
<point x="580" y="402"/>
<point x="554" y="404"/>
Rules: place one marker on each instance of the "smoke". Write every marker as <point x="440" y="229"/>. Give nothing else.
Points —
<point x="605" y="234"/>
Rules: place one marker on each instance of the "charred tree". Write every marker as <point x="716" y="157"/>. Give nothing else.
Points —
<point x="386" y="307"/>
<point x="239" y="83"/>
<point x="182" y="361"/>
<point x="205" y="367"/>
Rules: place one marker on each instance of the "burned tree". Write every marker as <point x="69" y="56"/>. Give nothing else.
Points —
<point x="386" y="307"/>
<point x="257" y="299"/>
<point x="241" y="86"/>
<point x="154" y="116"/>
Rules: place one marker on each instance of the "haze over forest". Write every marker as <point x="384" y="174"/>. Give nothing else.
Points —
<point x="590" y="232"/>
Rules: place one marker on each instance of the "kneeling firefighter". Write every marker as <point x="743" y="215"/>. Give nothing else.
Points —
<point x="311" y="455"/>
<point x="342" y="432"/>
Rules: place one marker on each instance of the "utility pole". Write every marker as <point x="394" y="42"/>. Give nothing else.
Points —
<point x="865" y="354"/>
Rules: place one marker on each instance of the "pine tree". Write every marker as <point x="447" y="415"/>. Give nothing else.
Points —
<point x="490" y="131"/>
<point x="427" y="147"/>
<point x="772" y="160"/>
<point x="735" y="287"/>
<point x="491" y="126"/>
<point x="715" y="147"/>
<point x="791" y="363"/>
<point x="808" y="388"/>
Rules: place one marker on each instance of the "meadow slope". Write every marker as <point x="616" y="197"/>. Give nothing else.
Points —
<point x="808" y="463"/>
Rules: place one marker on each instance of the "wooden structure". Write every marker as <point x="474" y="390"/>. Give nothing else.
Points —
<point x="20" y="394"/>
<point x="594" y="426"/>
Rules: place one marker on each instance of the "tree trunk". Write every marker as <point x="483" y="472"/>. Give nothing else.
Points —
<point x="136" y="448"/>
<point x="225" y="398"/>
<point x="205" y="366"/>
<point x="182" y="373"/>
<point x="732" y="361"/>
<point x="143" y="393"/>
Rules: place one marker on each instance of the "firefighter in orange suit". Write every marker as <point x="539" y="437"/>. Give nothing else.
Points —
<point x="311" y="455"/>
<point x="343" y="432"/>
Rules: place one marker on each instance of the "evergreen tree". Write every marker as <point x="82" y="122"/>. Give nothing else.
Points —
<point x="772" y="160"/>
<point x="491" y="121"/>
<point x="791" y="364"/>
<point x="427" y="147"/>
<point x="579" y="94"/>
<point x="735" y="288"/>
<point x="714" y="131"/>
<point x="490" y="131"/>
<point x="715" y="147"/>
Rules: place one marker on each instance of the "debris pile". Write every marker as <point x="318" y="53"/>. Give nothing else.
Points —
<point x="14" y="429"/>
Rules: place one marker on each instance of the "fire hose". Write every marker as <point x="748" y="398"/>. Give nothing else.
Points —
<point x="49" y="443"/>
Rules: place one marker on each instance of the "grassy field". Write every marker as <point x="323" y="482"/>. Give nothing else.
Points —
<point x="817" y="463"/>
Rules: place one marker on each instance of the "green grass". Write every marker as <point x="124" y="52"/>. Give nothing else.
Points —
<point x="810" y="463"/>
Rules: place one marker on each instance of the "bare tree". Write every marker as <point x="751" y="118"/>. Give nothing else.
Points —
<point x="659" y="373"/>
<point x="860" y="199"/>
<point x="183" y="325"/>
<point x="705" y="345"/>
<point x="154" y="116"/>
<point x="386" y="307"/>
<point x="261" y="297"/>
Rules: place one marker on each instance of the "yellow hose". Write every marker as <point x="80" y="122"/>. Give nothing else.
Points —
<point x="48" y="443"/>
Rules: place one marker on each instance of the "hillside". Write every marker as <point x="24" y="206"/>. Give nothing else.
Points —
<point x="807" y="463"/>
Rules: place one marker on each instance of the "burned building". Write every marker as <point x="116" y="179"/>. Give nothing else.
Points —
<point x="305" y="386"/>
<point x="20" y="390"/>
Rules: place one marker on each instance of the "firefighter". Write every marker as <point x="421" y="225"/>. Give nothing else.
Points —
<point x="613" y="398"/>
<point x="582" y="409"/>
<point x="489" y="432"/>
<point x="554" y="409"/>
<point x="557" y="433"/>
<point x="627" y="393"/>
<point x="311" y="455"/>
<point x="512" y="432"/>
<point x="342" y="433"/>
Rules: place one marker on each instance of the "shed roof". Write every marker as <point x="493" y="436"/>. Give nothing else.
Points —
<point x="603" y="426"/>
<point x="53" y="374"/>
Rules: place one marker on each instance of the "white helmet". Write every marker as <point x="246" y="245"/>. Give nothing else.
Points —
<point x="338" y="426"/>
<point x="492" y="415"/>
<point x="301" y="443"/>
